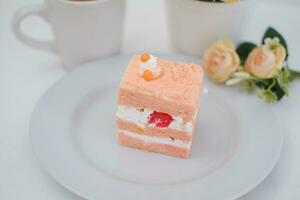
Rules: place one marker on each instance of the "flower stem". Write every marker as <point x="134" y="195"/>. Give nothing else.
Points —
<point x="294" y="74"/>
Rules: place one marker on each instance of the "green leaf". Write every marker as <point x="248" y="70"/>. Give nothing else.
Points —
<point x="293" y="75"/>
<point x="279" y="91"/>
<point x="244" y="50"/>
<point x="283" y="77"/>
<point x="263" y="83"/>
<point x="248" y="86"/>
<point x="272" y="33"/>
<point x="272" y="86"/>
<point x="267" y="95"/>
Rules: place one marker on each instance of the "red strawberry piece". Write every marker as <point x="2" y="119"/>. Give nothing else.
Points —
<point x="160" y="119"/>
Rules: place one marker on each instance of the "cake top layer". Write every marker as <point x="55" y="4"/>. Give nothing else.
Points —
<point x="177" y="81"/>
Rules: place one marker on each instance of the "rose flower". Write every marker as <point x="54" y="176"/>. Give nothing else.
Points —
<point x="265" y="61"/>
<point x="220" y="60"/>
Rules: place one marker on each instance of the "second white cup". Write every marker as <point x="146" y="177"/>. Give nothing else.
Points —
<point x="194" y="25"/>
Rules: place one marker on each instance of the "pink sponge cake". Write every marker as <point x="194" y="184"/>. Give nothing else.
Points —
<point x="158" y="102"/>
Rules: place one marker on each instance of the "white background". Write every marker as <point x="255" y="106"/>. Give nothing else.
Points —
<point x="25" y="74"/>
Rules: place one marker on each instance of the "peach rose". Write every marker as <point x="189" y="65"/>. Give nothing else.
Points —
<point x="220" y="60"/>
<point x="266" y="60"/>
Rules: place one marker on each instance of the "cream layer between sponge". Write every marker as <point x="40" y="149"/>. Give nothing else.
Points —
<point x="154" y="131"/>
<point x="152" y="147"/>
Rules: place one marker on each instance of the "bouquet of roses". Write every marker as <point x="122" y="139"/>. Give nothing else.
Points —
<point x="263" y="68"/>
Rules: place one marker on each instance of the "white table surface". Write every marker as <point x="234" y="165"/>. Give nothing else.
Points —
<point x="25" y="74"/>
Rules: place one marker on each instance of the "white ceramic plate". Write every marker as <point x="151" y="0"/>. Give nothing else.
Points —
<point x="237" y="144"/>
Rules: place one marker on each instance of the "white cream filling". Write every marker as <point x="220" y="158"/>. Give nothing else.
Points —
<point x="133" y="115"/>
<point x="157" y="140"/>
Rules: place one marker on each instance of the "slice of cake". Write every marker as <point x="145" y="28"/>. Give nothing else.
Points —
<point x="158" y="102"/>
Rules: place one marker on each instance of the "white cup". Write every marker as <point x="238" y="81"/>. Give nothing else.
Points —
<point x="194" y="25"/>
<point x="83" y="30"/>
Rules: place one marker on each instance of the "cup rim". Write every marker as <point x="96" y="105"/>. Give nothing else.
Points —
<point x="210" y="7"/>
